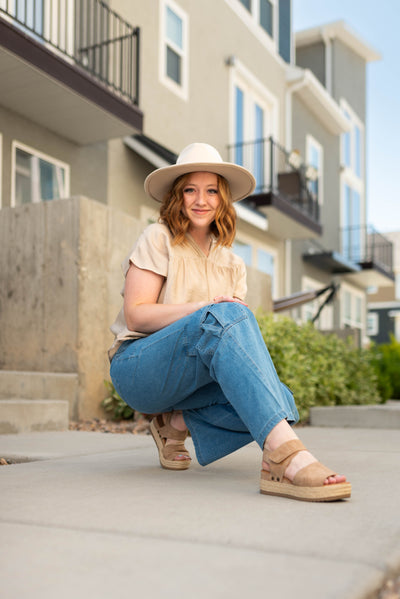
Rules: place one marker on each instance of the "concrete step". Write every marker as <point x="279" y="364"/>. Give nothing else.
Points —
<point x="29" y="415"/>
<point x="15" y="384"/>
<point x="381" y="416"/>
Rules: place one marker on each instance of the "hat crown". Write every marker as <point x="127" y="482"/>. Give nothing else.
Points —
<point x="199" y="153"/>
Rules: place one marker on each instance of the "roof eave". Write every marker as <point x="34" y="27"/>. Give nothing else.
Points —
<point x="337" y="30"/>
<point x="314" y="95"/>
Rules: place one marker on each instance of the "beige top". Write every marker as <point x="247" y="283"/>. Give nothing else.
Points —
<point x="190" y="275"/>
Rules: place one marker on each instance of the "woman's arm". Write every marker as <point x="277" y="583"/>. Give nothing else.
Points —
<point x="142" y="313"/>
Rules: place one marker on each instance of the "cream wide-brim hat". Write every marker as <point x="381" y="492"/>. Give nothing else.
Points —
<point x="200" y="157"/>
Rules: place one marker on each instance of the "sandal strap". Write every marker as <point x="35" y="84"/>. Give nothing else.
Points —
<point x="279" y="459"/>
<point x="312" y="475"/>
<point x="166" y="431"/>
<point x="170" y="452"/>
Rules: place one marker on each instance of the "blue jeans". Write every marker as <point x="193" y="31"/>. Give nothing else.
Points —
<point x="214" y="366"/>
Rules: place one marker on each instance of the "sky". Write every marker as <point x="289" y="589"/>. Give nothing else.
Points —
<point x="377" y="24"/>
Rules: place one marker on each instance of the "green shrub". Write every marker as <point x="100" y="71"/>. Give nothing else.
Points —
<point x="320" y="370"/>
<point x="114" y="403"/>
<point x="386" y="360"/>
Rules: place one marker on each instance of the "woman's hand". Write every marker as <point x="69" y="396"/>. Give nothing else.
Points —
<point x="227" y="298"/>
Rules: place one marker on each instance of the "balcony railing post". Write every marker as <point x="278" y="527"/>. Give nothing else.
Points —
<point x="271" y="165"/>
<point x="137" y="52"/>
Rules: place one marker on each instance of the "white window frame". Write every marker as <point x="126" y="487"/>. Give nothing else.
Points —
<point x="180" y="90"/>
<point x="311" y="143"/>
<point x="251" y="20"/>
<point x="325" y="320"/>
<point x="352" y="321"/>
<point x="256" y="245"/>
<point x="40" y="155"/>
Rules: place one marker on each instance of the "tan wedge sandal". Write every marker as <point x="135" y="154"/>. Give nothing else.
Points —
<point x="307" y="485"/>
<point x="162" y="431"/>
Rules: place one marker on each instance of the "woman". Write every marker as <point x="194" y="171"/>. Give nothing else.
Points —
<point x="189" y="350"/>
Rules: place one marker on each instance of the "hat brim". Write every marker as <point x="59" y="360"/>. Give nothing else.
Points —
<point x="241" y="181"/>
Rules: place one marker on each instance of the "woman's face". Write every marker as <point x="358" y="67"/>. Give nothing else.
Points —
<point x="201" y="200"/>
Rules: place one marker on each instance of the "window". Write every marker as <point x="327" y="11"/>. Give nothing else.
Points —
<point x="267" y="16"/>
<point x="254" y="120"/>
<point x="37" y="177"/>
<point x="372" y="324"/>
<point x="244" y="250"/>
<point x="44" y="20"/>
<point x="314" y="159"/>
<point x="352" y="232"/>
<point x="353" y="195"/>
<point x="285" y="30"/>
<point x="357" y="150"/>
<point x="31" y="14"/>
<point x="239" y="125"/>
<point x="353" y="143"/>
<point x="27" y="15"/>
<point x="346" y="144"/>
<point x="264" y="14"/>
<point x="266" y="263"/>
<point x="352" y="307"/>
<point x="174" y="47"/>
<point x="250" y="134"/>
<point x="261" y="257"/>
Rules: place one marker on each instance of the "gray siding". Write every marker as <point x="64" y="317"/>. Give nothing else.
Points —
<point x="313" y="57"/>
<point x="348" y="78"/>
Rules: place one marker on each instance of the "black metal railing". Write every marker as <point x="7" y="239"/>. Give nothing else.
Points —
<point x="365" y="245"/>
<point x="87" y="33"/>
<point x="280" y="172"/>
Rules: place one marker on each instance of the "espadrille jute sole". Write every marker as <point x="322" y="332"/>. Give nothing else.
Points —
<point x="308" y="483"/>
<point x="332" y="492"/>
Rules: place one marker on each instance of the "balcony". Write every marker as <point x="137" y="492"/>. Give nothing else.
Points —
<point x="71" y="66"/>
<point x="365" y="256"/>
<point x="372" y="251"/>
<point x="287" y="189"/>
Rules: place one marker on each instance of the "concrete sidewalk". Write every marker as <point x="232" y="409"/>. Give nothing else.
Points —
<point x="95" y="516"/>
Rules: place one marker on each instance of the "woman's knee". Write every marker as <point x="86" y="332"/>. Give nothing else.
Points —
<point x="228" y="313"/>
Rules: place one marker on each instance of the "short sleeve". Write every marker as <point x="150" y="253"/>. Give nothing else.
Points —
<point x="241" y="281"/>
<point x="151" y="251"/>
